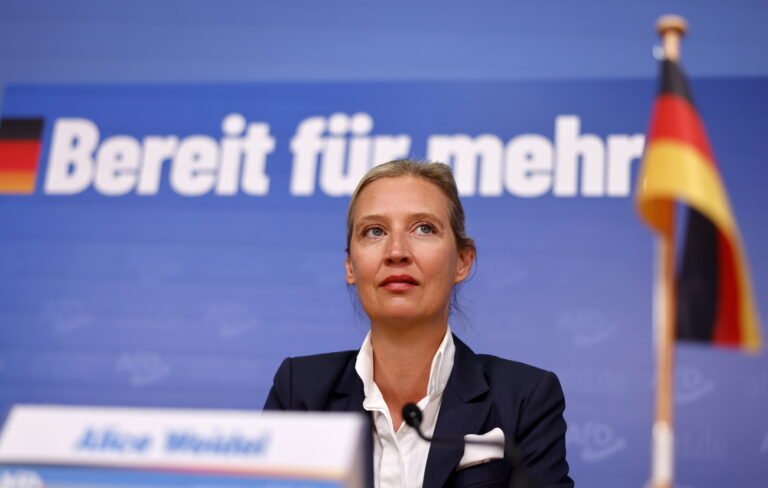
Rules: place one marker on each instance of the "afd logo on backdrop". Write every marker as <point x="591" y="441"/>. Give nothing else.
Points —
<point x="329" y="155"/>
<point x="594" y="441"/>
<point x="691" y="385"/>
<point x="586" y="327"/>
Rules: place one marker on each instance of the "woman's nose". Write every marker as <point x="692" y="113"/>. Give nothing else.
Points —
<point x="398" y="250"/>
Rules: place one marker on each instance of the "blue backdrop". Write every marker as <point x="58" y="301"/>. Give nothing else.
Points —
<point x="144" y="297"/>
<point x="160" y="297"/>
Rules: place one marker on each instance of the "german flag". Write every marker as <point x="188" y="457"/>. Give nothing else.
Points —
<point x="19" y="154"/>
<point x="713" y="287"/>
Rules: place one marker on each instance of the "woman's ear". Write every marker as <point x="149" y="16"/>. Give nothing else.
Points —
<point x="349" y="271"/>
<point x="464" y="264"/>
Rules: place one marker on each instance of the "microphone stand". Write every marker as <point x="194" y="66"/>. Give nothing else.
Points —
<point x="413" y="416"/>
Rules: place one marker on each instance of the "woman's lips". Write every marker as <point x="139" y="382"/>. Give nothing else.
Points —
<point x="399" y="283"/>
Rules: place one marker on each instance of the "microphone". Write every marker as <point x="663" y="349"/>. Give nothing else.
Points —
<point x="413" y="417"/>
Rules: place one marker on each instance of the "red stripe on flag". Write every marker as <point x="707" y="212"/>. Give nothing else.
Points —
<point x="727" y="330"/>
<point x="19" y="155"/>
<point x="675" y="118"/>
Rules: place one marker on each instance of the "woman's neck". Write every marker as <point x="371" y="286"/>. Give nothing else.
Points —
<point x="402" y="359"/>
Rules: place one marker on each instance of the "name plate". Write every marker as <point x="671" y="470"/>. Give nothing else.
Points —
<point x="181" y="447"/>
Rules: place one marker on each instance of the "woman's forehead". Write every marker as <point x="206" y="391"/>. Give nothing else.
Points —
<point x="402" y="195"/>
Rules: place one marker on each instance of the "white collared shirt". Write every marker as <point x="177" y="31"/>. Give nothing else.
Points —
<point x="400" y="458"/>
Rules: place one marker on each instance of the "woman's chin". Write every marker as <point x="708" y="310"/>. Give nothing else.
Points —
<point x="404" y="317"/>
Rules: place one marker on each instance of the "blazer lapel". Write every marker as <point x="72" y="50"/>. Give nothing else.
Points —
<point x="348" y="394"/>
<point x="463" y="410"/>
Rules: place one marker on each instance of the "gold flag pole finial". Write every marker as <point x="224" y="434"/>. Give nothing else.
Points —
<point x="671" y="28"/>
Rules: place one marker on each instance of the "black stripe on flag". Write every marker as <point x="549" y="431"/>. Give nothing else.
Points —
<point x="673" y="81"/>
<point x="697" y="281"/>
<point x="25" y="129"/>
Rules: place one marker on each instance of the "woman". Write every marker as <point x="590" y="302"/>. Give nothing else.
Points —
<point x="406" y="251"/>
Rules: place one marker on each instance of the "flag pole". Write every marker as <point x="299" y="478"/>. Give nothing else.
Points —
<point x="671" y="28"/>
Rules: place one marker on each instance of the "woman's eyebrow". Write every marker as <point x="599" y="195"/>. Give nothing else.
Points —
<point x="416" y="216"/>
<point x="426" y="216"/>
<point x="371" y="218"/>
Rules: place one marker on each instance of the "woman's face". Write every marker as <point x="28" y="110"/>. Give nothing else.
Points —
<point x="402" y="256"/>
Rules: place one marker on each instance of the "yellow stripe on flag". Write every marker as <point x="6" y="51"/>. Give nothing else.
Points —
<point x="751" y="337"/>
<point x="673" y="170"/>
<point x="20" y="182"/>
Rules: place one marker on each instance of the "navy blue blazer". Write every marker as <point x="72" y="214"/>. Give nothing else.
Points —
<point x="483" y="392"/>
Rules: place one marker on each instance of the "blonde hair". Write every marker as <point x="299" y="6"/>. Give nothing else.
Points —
<point x="438" y="174"/>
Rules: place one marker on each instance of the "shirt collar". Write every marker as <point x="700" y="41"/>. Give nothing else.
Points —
<point x="440" y="370"/>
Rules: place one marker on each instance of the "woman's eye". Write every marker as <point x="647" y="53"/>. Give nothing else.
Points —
<point x="374" y="232"/>
<point x="425" y="229"/>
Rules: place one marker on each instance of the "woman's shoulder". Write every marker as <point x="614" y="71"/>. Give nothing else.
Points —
<point x="521" y="378"/>
<point x="499" y="365"/>
<point x="308" y="382"/>
<point x="497" y="368"/>
<point x="321" y="363"/>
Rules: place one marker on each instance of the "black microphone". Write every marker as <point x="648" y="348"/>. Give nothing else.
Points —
<point x="413" y="417"/>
